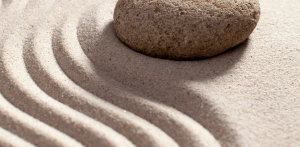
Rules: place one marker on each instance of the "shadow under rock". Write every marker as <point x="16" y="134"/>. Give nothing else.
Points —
<point x="161" y="80"/>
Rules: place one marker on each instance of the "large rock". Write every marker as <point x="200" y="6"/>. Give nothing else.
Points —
<point x="184" y="29"/>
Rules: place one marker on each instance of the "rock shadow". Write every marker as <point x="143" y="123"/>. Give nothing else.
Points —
<point x="160" y="80"/>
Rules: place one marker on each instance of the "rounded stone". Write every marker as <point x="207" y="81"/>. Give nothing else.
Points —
<point x="184" y="29"/>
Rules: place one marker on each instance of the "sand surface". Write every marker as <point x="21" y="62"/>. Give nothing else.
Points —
<point x="66" y="80"/>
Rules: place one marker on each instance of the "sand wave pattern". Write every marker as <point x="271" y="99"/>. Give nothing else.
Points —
<point x="66" y="80"/>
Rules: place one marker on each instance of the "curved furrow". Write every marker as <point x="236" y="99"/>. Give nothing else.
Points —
<point x="30" y="129"/>
<point x="19" y="89"/>
<point x="47" y="74"/>
<point x="79" y="68"/>
<point x="7" y="139"/>
<point x="188" y="133"/>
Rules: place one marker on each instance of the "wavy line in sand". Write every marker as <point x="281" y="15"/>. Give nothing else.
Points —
<point x="32" y="130"/>
<point x="79" y="68"/>
<point x="8" y="139"/>
<point x="52" y="80"/>
<point x="18" y="88"/>
<point x="72" y="96"/>
<point x="162" y="80"/>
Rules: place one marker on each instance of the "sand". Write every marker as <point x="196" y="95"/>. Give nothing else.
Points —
<point x="66" y="80"/>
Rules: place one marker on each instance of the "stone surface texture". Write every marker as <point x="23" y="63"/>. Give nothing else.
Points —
<point x="184" y="29"/>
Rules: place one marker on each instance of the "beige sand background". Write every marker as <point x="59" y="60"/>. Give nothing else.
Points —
<point x="66" y="80"/>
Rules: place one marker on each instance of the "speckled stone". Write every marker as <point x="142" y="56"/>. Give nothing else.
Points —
<point x="184" y="29"/>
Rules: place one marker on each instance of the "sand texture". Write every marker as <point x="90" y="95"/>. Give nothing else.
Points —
<point x="67" y="81"/>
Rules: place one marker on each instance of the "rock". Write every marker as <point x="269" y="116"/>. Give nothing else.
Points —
<point x="184" y="29"/>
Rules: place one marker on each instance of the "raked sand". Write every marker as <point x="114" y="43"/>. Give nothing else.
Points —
<point x="67" y="81"/>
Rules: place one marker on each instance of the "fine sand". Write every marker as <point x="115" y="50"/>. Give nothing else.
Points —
<point x="67" y="81"/>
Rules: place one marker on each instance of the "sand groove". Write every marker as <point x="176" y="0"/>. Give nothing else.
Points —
<point x="79" y="68"/>
<point x="31" y="129"/>
<point x="55" y="95"/>
<point x="49" y="111"/>
<point x="54" y="82"/>
<point x="8" y="139"/>
<point x="67" y="81"/>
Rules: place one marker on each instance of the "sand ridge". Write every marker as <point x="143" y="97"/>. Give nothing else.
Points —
<point x="66" y="80"/>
